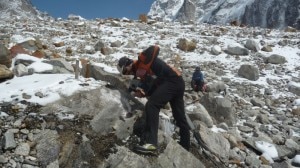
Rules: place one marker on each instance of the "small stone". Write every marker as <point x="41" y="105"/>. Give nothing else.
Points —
<point x="3" y="159"/>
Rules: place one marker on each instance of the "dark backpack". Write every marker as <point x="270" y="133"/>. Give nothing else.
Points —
<point x="143" y="69"/>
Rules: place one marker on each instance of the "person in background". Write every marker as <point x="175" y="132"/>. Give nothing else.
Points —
<point x="197" y="82"/>
<point x="164" y="84"/>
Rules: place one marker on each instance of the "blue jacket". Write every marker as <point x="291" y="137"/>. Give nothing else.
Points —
<point x="198" y="76"/>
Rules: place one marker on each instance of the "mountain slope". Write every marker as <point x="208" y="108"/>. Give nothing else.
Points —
<point x="266" y="14"/>
<point x="17" y="9"/>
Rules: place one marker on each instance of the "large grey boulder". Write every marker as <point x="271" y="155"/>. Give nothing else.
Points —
<point x="252" y="45"/>
<point x="176" y="156"/>
<point x="219" y="108"/>
<point x="275" y="59"/>
<point x="9" y="140"/>
<point x="216" y="87"/>
<point x="249" y="72"/>
<point x="216" y="142"/>
<point x="47" y="146"/>
<point x="125" y="158"/>
<point x="200" y="113"/>
<point x="107" y="114"/>
<point x="294" y="88"/>
<point x="236" y="50"/>
<point x="60" y="65"/>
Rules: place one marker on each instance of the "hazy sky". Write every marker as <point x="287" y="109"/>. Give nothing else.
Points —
<point x="91" y="9"/>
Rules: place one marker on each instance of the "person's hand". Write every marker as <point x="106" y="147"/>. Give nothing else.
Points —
<point x="138" y="93"/>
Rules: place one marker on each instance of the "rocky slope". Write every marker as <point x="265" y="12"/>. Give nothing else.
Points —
<point x="251" y="114"/>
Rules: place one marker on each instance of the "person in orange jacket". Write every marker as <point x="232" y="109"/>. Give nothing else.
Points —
<point x="162" y="84"/>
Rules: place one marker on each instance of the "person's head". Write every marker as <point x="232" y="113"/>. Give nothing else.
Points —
<point x="197" y="68"/>
<point x="124" y="65"/>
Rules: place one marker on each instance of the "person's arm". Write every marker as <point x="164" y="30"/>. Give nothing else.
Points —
<point x="134" y="67"/>
<point x="195" y="75"/>
<point x="201" y="76"/>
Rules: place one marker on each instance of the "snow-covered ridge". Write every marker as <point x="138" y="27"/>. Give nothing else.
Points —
<point x="267" y="14"/>
<point x="18" y="9"/>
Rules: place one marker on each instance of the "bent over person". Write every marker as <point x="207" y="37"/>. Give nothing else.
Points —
<point x="162" y="84"/>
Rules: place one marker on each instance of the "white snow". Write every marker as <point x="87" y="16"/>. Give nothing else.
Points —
<point x="267" y="149"/>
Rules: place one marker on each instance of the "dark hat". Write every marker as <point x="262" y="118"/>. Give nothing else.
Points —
<point x="197" y="68"/>
<point x="124" y="61"/>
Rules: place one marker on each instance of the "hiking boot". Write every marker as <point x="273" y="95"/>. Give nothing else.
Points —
<point x="146" y="149"/>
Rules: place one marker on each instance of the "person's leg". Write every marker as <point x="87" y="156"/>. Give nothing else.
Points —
<point x="201" y="84"/>
<point x="157" y="100"/>
<point x="177" y="105"/>
<point x="197" y="84"/>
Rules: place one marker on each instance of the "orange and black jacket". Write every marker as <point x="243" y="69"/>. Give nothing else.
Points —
<point x="152" y="70"/>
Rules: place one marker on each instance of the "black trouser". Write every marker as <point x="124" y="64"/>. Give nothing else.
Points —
<point x="170" y="90"/>
<point x="197" y="85"/>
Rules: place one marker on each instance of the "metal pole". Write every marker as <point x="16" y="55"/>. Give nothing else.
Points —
<point x="77" y="69"/>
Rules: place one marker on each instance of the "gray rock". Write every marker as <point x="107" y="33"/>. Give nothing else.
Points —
<point x="215" y="142"/>
<point x="20" y="70"/>
<point x="99" y="45"/>
<point x="175" y="156"/>
<point x="245" y="129"/>
<point x="126" y="159"/>
<point x="130" y="44"/>
<point x="263" y="119"/>
<point x="60" y="66"/>
<point x="23" y="149"/>
<point x="3" y="159"/>
<point x="283" y="164"/>
<point x="200" y="113"/>
<point x="252" y="45"/>
<point x="219" y="108"/>
<point x="276" y="59"/>
<point x="267" y="48"/>
<point x="216" y="50"/>
<point x="216" y="87"/>
<point x="249" y="72"/>
<point x="252" y="161"/>
<point x="116" y="44"/>
<point x="9" y="139"/>
<point x="47" y="146"/>
<point x="237" y="50"/>
<point x="257" y="102"/>
<point x="237" y="154"/>
<point x="224" y="126"/>
<point x="294" y="88"/>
